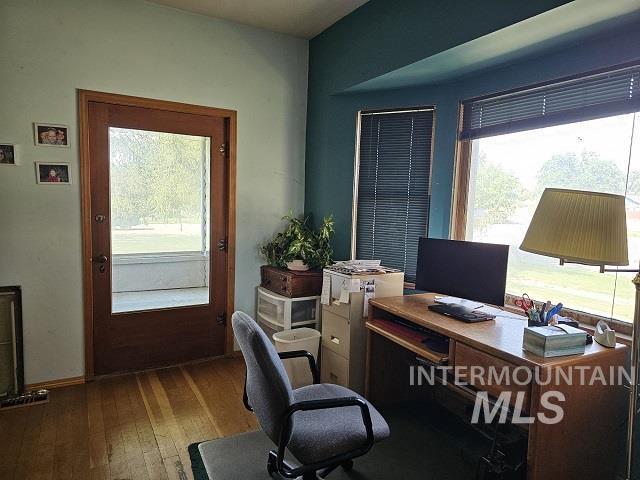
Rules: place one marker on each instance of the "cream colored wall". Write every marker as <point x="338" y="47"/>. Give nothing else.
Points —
<point x="50" y="49"/>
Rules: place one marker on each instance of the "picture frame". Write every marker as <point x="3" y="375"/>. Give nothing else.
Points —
<point x="8" y="154"/>
<point x="51" y="135"/>
<point x="53" y="173"/>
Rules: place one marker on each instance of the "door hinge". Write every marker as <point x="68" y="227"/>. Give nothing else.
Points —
<point x="221" y="319"/>
<point x="222" y="245"/>
<point x="223" y="148"/>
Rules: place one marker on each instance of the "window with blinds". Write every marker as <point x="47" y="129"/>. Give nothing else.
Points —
<point x="393" y="186"/>
<point x="612" y="92"/>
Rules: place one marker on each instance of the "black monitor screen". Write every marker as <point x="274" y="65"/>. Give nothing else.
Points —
<point x="477" y="271"/>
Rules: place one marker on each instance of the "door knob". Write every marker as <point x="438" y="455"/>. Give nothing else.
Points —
<point x="100" y="259"/>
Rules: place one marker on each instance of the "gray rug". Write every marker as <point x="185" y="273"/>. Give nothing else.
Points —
<point x="423" y="445"/>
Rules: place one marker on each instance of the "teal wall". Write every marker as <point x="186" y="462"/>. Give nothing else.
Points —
<point x="352" y="51"/>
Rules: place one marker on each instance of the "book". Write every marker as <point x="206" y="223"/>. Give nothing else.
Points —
<point x="547" y="353"/>
<point x="554" y="341"/>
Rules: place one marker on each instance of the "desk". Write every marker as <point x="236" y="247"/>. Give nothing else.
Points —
<point x="587" y="443"/>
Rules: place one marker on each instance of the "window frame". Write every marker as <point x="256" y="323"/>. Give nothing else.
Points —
<point x="458" y="227"/>
<point x="356" y="163"/>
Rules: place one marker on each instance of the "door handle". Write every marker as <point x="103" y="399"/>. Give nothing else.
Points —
<point x="100" y="259"/>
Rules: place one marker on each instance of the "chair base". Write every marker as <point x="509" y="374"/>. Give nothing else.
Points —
<point x="272" y="469"/>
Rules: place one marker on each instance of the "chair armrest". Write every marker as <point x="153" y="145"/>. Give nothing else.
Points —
<point x="323" y="404"/>
<point x="313" y="366"/>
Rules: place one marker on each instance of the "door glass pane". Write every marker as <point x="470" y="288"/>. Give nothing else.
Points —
<point x="159" y="219"/>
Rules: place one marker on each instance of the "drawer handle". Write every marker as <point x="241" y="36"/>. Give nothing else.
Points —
<point x="335" y="340"/>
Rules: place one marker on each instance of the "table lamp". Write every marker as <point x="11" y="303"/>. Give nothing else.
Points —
<point x="588" y="228"/>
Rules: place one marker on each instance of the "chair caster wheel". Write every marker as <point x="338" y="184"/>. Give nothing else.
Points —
<point x="348" y="465"/>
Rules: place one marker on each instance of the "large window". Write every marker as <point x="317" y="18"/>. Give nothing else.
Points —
<point x="508" y="170"/>
<point x="392" y="186"/>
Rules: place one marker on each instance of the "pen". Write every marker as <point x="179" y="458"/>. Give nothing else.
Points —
<point x="545" y="307"/>
<point x="554" y="311"/>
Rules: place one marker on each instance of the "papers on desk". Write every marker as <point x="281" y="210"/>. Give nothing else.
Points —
<point x="360" y="267"/>
<point x="480" y="307"/>
<point x="463" y="302"/>
<point x="499" y="313"/>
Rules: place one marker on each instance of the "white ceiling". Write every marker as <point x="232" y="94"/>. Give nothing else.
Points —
<point x="300" y="18"/>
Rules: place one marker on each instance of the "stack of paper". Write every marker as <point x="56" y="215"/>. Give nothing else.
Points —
<point x="463" y="302"/>
<point x="354" y="267"/>
<point x="554" y="341"/>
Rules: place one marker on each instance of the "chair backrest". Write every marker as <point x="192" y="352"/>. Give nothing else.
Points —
<point x="268" y="387"/>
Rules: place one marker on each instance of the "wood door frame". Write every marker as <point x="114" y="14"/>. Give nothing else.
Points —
<point x="230" y="117"/>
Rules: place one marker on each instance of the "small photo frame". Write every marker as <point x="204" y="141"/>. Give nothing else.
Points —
<point x="7" y="154"/>
<point x="51" y="135"/>
<point x="52" y="173"/>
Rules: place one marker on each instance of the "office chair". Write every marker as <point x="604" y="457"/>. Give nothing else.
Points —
<point x="324" y="426"/>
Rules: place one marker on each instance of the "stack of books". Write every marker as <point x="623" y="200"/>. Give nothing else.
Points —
<point x="554" y="341"/>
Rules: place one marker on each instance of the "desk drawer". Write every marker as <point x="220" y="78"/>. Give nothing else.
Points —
<point x="490" y="374"/>
<point x="335" y="368"/>
<point x="335" y="334"/>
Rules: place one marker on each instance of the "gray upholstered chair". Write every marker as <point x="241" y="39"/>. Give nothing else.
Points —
<point x="322" y="425"/>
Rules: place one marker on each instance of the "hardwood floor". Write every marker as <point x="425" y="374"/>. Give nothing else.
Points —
<point x="129" y="427"/>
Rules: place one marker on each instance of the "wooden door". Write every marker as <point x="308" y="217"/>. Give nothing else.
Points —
<point x="141" y="316"/>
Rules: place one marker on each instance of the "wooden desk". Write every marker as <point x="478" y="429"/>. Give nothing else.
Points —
<point x="587" y="443"/>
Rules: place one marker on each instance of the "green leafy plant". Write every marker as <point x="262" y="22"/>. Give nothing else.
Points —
<point x="300" y="242"/>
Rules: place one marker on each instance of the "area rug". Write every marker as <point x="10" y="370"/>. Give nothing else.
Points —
<point x="425" y="443"/>
<point x="197" y="465"/>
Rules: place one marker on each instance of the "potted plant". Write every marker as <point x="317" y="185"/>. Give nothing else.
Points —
<point x="299" y="247"/>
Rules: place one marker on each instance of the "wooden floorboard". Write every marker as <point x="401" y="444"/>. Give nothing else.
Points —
<point x="130" y="427"/>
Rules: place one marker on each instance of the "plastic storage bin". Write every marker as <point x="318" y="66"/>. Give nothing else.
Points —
<point x="283" y="313"/>
<point x="298" y="339"/>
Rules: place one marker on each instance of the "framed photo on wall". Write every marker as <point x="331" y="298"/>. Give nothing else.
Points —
<point x="53" y="173"/>
<point x="7" y="154"/>
<point x="51" y="135"/>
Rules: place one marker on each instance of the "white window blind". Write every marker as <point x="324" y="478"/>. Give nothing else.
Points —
<point x="393" y="186"/>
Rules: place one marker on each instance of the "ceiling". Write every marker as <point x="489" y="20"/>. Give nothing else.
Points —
<point x="569" y="23"/>
<point x="300" y="18"/>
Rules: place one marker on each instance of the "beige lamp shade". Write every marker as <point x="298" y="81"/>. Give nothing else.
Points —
<point x="579" y="227"/>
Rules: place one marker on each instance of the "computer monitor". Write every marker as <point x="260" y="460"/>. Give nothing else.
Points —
<point x="473" y="270"/>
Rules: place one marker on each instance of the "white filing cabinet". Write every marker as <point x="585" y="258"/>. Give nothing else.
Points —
<point x="343" y="330"/>
<point x="276" y="313"/>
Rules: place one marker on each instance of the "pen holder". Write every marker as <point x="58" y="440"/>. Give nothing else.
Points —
<point x="534" y="318"/>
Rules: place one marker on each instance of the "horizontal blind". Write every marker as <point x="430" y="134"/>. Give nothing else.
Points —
<point x="614" y="92"/>
<point x="393" y="186"/>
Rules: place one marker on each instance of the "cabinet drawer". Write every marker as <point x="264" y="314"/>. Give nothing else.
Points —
<point x="335" y="334"/>
<point x="341" y="309"/>
<point x="490" y="374"/>
<point x="335" y="368"/>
